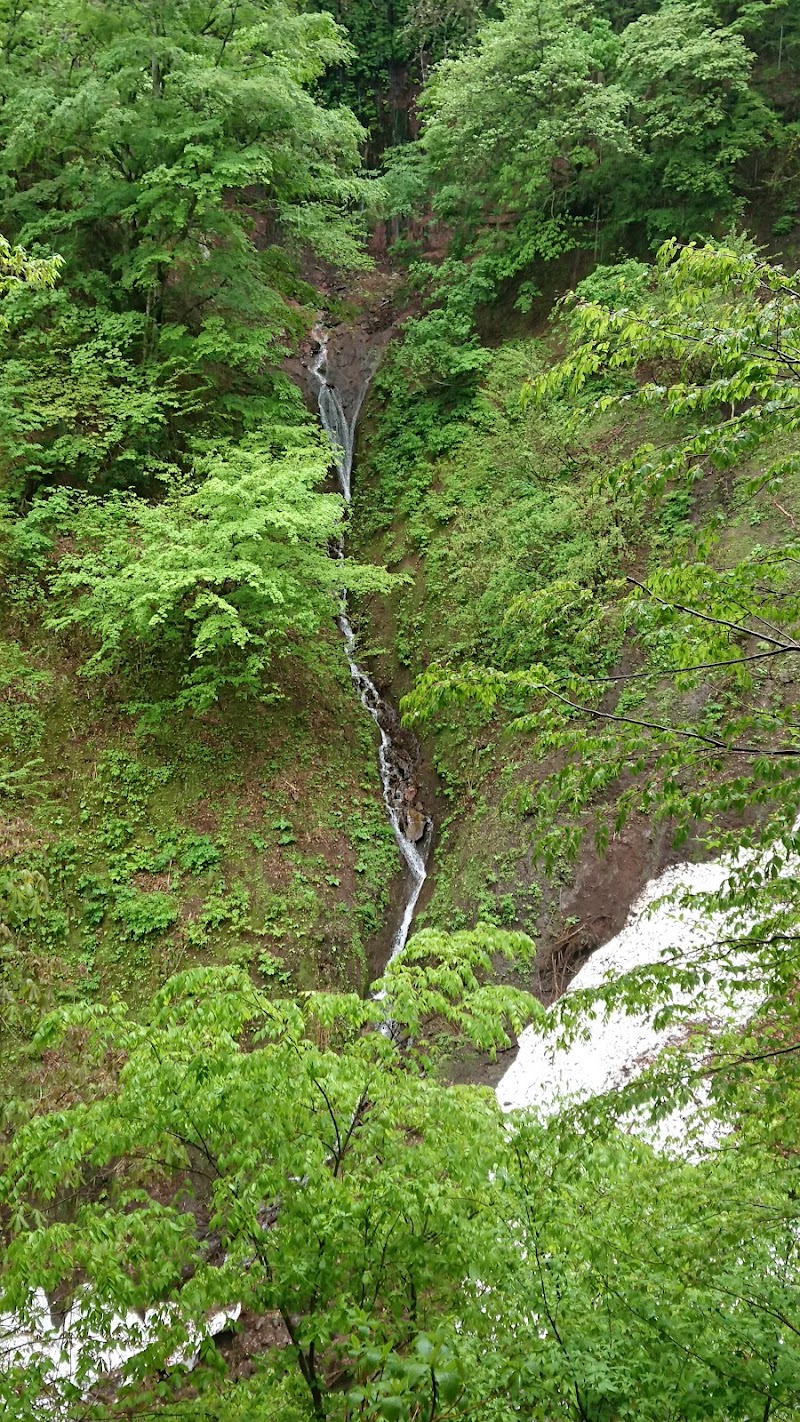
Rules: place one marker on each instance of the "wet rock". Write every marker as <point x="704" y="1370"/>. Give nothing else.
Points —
<point x="416" y="825"/>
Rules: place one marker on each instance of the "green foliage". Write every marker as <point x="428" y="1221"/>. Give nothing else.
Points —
<point x="516" y="549"/>
<point x="18" y="269"/>
<point x="380" y="50"/>
<point x="181" y="167"/>
<point x="21" y="895"/>
<point x="361" y="1101"/>
<point x="442" y="345"/>
<point x="417" y="1257"/>
<point x="559" y="129"/>
<point x="440" y="28"/>
<point x="695" y="115"/>
<point x="23" y="889"/>
<point x="99" y="816"/>
<point x="180" y="164"/>
<point x="725" y="327"/>
<point x="394" y="43"/>
<point x="421" y="1253"/>
<point x="214" y="579"/>
<point x="140" y="913"/>
<point x="612" y="286"/>
<point x="697" y="726"/>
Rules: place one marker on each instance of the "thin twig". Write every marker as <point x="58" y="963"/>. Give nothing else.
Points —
<point x="784" y="511"/>
<point x="717" y="744"/>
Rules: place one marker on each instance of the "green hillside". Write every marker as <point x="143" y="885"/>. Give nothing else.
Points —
<point x="251" y="1169"/>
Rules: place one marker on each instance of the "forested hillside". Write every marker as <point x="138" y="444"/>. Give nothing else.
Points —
<point x="311" y="806"/>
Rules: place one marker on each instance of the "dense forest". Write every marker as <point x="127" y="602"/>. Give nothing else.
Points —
<point x="318" y="814"/>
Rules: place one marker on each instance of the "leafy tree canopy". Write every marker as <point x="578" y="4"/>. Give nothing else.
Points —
<point x="395" y="42"/>
<point x="213" y="580"/>
<point x="413" y="1255"/>
<point x="557" y="127"/>
<point x="176" y="159"/>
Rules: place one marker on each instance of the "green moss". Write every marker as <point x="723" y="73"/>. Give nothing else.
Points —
<point x="253" y="834"/>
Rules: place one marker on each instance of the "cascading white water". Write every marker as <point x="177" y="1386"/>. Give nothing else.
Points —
<point x="392" y="761"/>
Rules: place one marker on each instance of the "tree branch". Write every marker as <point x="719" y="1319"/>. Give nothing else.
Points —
<point x="694" y="666"/>
<point x="716" y="621"/>
<point x="778" y="751"/>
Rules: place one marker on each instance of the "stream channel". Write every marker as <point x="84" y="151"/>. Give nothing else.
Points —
<point x="412" y="828"/>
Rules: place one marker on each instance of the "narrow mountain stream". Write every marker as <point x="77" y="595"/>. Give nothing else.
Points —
<point x="411" y="826"/>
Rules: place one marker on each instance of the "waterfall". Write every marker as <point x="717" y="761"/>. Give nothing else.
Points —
<point x="395" y="766"/>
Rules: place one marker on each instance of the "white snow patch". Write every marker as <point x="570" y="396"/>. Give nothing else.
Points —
<point x="84" y="1348"/>
<point x="618" y="1047"/>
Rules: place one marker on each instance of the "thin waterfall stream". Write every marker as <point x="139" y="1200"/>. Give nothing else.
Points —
<point x="412" y="829"/>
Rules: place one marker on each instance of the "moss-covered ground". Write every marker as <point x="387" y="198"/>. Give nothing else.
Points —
<point x="253" y="834"/>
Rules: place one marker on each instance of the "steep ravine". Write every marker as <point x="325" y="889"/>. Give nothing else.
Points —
<point x="398" y="753"/>
<point x="569" y="921"/>
<point x="617" y="1046"/>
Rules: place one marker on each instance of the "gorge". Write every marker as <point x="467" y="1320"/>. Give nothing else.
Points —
<point x="397" y="758"/>
<point x="399" y="750"/>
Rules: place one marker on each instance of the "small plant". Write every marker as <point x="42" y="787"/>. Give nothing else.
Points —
<point x="272" y="968"/>
<point x="230" y="908"/>
<point x="674" y="513"/>
<point x="22" y="894"/>
<point x="94" y="896"/>
<point x="142" y="913"/>
<point x="198" y="852"/>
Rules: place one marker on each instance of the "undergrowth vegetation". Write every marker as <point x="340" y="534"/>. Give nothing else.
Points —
<point x="541" y="536"/>
<point x="130" y="855"/>
<point x="238" y="1179"/>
